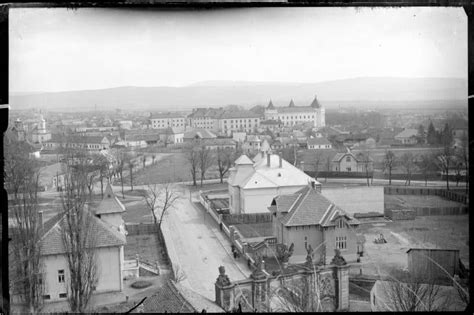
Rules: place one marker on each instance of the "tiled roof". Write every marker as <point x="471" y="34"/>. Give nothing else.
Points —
<point x="287" y="175"/>
<point x="318" y="141"/>
<point x="243" y="159"/>
<point x="270" y="122"/>
<point x="200" y="133"/>
<point x="167" y="300"/>
<point x="109" y="203"/>
<point x="104" y="235"/>
<point x="238" y="114"/>
<point x="407" y="133"/>
<point x="217" y="142"/>
<point x="309" y="207"/>
<point x="296" y="109"/>
<point x="166" y="115"/>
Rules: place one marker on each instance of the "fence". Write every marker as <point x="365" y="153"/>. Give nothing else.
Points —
<point x="403" y="214"/>
<point x="141" y="228"/>
<point x="331" y="174"/>
<point x="246" y="218"/>
<point x="452" y="195"/>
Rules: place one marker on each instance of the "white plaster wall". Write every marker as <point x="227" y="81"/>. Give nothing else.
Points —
<point x="258" y="200"/>
<point x="109" y="259"/>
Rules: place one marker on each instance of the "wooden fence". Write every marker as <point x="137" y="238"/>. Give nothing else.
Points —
<point x="453" y="195"/>
<point x="141" y="229"/>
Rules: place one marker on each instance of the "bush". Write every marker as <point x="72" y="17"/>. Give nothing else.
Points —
<point x="141" y="284"/>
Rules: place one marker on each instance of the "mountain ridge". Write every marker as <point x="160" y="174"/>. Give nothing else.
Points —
<point x="248" y="93"/>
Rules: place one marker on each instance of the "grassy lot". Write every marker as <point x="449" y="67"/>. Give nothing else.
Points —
<point x="172" y="168"/>
<point x="146" y="246"/>
<point x="451" y="232"/>
<point x="409" y="201"/>
<point x="204" y="187"/>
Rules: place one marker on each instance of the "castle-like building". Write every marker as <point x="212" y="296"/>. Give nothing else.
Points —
<point x="291" y="115"/>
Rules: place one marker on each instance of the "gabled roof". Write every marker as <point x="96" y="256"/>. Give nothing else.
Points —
<point x="309" y="207"/>
<point x="274" y="175"/>
<point x="407" y="133"/>
<point x="199" y="133"/>
<point x="166" y="115"/>
<point x="109" y="203"/>
<point x="52" y="241"/>
<point x="243" y="160"/>
<point x="318" y="141"/>
<point x="292" y="104"/>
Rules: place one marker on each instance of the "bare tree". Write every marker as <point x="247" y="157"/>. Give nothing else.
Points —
<point x="365" y="159"/>
<point x="22" y="177"/>
<point x="317" y="160"/>
<point x="224" y="161"/>
<point x="192" y="156"/>
<point x="205" y="160"/>
<point x="463" y="153"/>
<point x="131" y="165"/>
<point x="425" y="163"/>
<point x="79" y="240"/>
<point x="413" y="294"/>
<point x="446" y="156"/>
<point x="159" y="199"/>
<point x="407" y="160"/>
<point x="389" y="162"/>
<point x="328" y="167"/>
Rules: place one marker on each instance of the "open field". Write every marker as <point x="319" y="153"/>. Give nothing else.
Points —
<point x="352" y="199"/>
<point x="146" y="246"/>
<point x="171" y="168"/>
<point x="409" y="201"/>
<point x="450" y="232"/>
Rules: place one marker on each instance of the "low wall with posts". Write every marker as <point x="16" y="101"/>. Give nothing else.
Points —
<point x="247" y="218"/>
<point x="333" y="174"/>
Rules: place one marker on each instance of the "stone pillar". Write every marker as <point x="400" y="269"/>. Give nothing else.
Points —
<point x="259" y="287"/>
<point x="225" y="295"/>
<point x="342" y="287"/>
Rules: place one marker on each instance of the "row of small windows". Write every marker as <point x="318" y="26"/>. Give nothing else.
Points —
<point x="296" y="117"/>
<point x="341" y="242"/>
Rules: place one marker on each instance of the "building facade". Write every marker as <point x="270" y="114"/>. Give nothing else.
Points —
<point x="292" y="115"/>
<point x="167" y="120"/>
<point x="252" y="185"/>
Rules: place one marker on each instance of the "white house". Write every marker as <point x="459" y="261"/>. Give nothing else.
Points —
<point x="109" y="243"/>
<point x="319" y="143"/>
<point x="407" y="136"/>
<point x="252" y="185"/>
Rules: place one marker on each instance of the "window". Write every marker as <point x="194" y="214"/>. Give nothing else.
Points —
<point x="341" y="242"/>
<point x="63" y="295"/>
<point x="348" y="159"/>
<point x="61" y="276"/>
<point x="340" y="224"/>
<point x="47" y="297"/>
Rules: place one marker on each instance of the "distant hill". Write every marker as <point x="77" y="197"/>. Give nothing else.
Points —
<point x="376" y="91"/>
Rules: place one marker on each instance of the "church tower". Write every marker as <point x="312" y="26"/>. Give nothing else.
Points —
<point x="271" y="112"/>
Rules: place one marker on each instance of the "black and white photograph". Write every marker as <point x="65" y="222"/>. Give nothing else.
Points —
<point x="237" y="159"/>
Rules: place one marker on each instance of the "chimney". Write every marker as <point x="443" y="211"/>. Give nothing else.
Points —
<point x="40" y="219"/>
<point x="268" y="159"/>
<point x="302" y="165"/>
<point x="281" y="160"/>
<point x="312" y="184"/>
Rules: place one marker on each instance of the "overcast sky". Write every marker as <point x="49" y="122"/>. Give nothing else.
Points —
<point x="59" y="49"/>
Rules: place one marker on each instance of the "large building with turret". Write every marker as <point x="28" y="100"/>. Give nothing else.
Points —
<point x="292" y="115"/>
